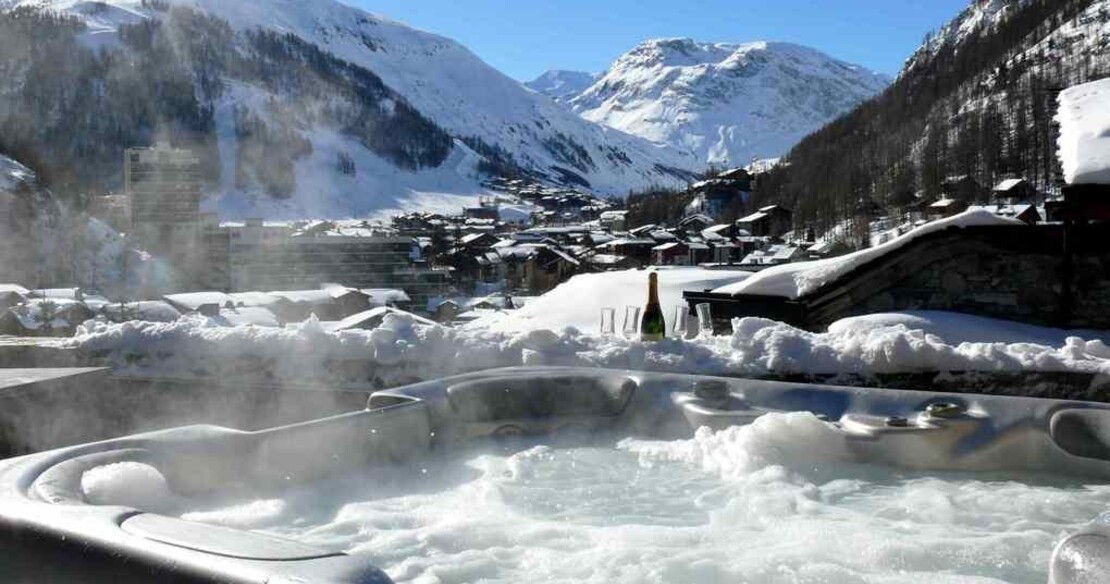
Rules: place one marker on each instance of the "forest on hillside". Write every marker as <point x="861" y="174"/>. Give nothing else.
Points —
<point x="69" y="111"/>
<point x="975" y="112"/>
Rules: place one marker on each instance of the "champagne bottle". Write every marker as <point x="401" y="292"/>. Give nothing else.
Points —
<point x="653" y="326"/>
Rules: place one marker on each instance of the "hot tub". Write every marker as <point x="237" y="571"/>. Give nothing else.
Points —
<point x="51" y="530"/>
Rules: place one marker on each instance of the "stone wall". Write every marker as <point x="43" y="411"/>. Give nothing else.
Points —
<point x="1016" y="272"/>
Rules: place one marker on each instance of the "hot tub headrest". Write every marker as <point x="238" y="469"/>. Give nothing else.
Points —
<point x="1082" y="432"/>
<point x="505" y="398"/>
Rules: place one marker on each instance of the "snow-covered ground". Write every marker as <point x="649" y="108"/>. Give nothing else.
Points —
<point x="801" y="278"/>
<point x="402" y="349"/>
<point x="1085" y="133"/>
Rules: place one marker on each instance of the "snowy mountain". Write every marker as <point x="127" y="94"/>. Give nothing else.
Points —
<point x="562" y="86"/>
<point x="981" y="16"/>
<point x="316" y="85"/>
<point x="725" y="103"/>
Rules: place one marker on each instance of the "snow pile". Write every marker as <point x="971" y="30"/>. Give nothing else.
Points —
<point x="798" y="279"/>
<point x="1084" y="118"/>
<point x="578" y="302"/>
<point x="127" y="484"/>
<point x="403" y="350"/>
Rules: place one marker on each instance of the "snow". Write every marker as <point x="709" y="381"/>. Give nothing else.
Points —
<point x="579" y="301"/>
<point x="194" y="300"/>
<point x="798" y="279"/>
<point x="725" y="103"/>
<point x="1084" y="118"/>
<point x="127" y="484"/>
<point x="378" y="189"/>
<point x="562" y="86"/>
<point x="13" y="174"/>
<point x="403" y="348"/>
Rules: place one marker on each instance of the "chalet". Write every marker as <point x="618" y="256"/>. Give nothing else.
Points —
<point x="327" y="304"/>
<point x="388" y="297"/>
<point x="606" y="262"/>
<point x="962" y="188"/>
<point x="44" y="318"/>
<point x="12" y="295"/>
<point x="770" y="221"/>
<point x="720" y="232"/>
<point x="728" y="189"/>
<point x="147" y="311"/>
<point x="1028" y="214"/>
<point x="773" y="256"/>
<point x="1013" y="191"/>
<point x="373" y="318"/>
<point x="696" y="223"/>
<point x="614" y="220"/>
<point x="537" y="268"/>
<point x="481" y="240"/>
<point x="946" y="207"/>
<point x="675" y="253"/>
<point x="636" y="250"/>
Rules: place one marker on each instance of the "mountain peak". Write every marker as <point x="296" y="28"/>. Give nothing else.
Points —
<point x="725" y="102"/>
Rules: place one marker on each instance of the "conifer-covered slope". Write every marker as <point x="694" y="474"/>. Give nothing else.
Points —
<point x="976" y="102"/>
<point x="298" y="107"/>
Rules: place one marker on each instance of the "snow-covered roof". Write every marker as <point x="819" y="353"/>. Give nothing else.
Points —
<point x="753" y="217"/>
<point x="1084" y="118"/>
<point x="943" y="203"/>
<point x="373" y="317"/>
<point x="57" y="293"/>
<point x="149" y="311"/>
<point x="1008" y="185"/>
<point x="387" y="295"/>
<point x="607" y="259"/>
<point x="247" y="315"/>
<point x="194" y="300"/>
<point x="797" y="279"/>
<point x="254" y="298"/>
<point x="14" y="288"/>
<point x="305" y="296"/>
<point x="667" y="246"/>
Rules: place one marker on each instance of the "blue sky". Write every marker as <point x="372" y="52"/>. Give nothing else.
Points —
<point x="524" y="38"/>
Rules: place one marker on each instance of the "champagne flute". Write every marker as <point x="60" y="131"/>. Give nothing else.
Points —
<point x="681" y="312"/>
<point x="631" y="322"/>
<point x="608" y="322"/>
<point x="705" y="320"/>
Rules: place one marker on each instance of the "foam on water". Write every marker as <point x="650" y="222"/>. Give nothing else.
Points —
<point x="767" y="503"/>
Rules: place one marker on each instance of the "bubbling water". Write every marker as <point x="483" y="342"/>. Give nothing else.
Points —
<point x="767" y="503"/>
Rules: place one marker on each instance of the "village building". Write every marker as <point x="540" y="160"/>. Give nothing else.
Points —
<point x="1014" y="191"/>
<point x="769" y="221"/>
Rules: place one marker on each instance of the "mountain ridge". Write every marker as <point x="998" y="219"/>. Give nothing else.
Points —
<point x="726" y="103"/>
<point x="491" y="120"/>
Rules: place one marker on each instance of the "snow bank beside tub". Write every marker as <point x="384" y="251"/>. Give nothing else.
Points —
<point x="955" y="328"/>
<point x="1084" y="118"/>
<point x="402" y="351"/>
<point x="796" y="280"/>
